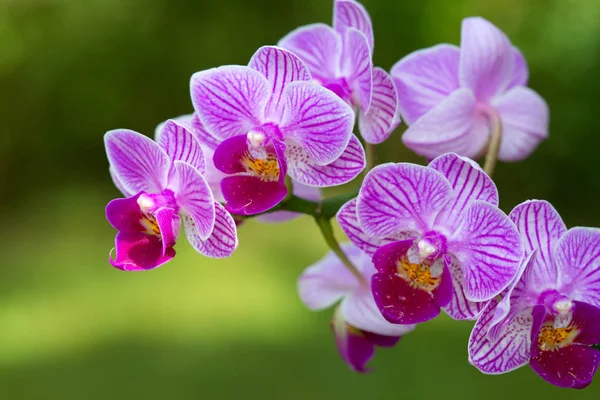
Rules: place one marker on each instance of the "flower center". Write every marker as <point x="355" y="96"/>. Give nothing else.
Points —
<point x="150" y="224"/>
<point x="552" y="338"/>
<point x="265" y="168"/>
<point x="425" y="275"/>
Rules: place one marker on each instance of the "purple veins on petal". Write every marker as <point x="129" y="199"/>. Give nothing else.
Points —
<point x="403" y="196"/>
<point x="280" y="67"/>
<point x="317" y="120"/>
<point x="357" y="68"/>
<point x="351" y="14"/>
<point x="379" y="122"/>
<point x="181" y="145"/>
<point x="348" y="221"/>
<point x="348" y="166"/>
<point x="469" y="183"/>
<point x="137" y="162"/>
<point x="490" y="249"/>
<point x="460" y="307"/>
<point x="577" y="256"/>
<point x="223" y="240"/>
<point x="541" y="227"/>
<point x="230" y="100"/>
<point x="195" y="197"/>
<point x="509" y="351"/>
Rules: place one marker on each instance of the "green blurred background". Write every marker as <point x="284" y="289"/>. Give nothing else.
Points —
<point x="72" y="327"/>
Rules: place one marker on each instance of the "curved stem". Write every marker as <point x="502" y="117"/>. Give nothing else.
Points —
<point x="327" y="232"/>
<point x="322" y="211"/>
<point x="494" y="145"/>
<point x="371" y="153"/>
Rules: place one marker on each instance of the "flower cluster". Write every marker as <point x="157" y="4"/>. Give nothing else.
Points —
<point x="266" y="136"/>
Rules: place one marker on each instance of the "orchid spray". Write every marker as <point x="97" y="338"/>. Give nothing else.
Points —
<point x="264" y="137"/>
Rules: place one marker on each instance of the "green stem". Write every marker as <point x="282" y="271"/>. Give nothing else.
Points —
<point x="371" y="152"/>
<point x="327" y="232"/>
<point x="322" y="211"/>
<point x="494" y="145"/>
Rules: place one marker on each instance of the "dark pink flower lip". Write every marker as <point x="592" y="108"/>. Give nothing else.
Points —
<point x="356" y="346"/>
<point x="147" y="230"/>
<point x="406" y="292"/>
<point x="561" y="351"/>
<point x="257" y="168"/>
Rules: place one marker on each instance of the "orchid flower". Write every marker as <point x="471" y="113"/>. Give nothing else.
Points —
<point x="437" y="238"/>
<point x="550" y="315"/>
<point x="272" y="122"/>
<point x="357" y="323"/>
<point x="165" y="188"/>
<point x="214" y="176"/>
<point x="340" y="59"/>
<point x="450" y="97"/>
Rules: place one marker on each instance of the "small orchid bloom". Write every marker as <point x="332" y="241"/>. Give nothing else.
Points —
<point x="340" y="59"/>
<point x="357" y="323"/>
<point x="214" y="176"/>
<point x="550" y="315"/>
<point x="450" y="96"/>
<point x="437" y="238"/>
<point x="272" y="122"/>
<point x="165" y="188"/>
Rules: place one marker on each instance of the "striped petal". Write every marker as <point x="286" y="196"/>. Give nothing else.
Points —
<point x="180" y="144"/>
<point x="318" y="120"/>
<point x="460" y="308"/>
<point x="222" y="241"/>
<point x="347" y="167"/>
<point x="381" y="120"/>
<point x="136" y="161"/>
<point x="193" y="195"/>
<point x="541" y="227"/>
<point x="357" y="67"/>
<point x="425" y="78"/>
<point x="509" y="352"/>
<point x="351" y="14"/>
<point x="230" y="100"/>
<point x="489" y="248"/>
<point x="280" y="67"/>
<point x="577" y="256"/>
<point x="469" y="183"/>
<point x="348" y="221"/>
<point x="401" y="197"/>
